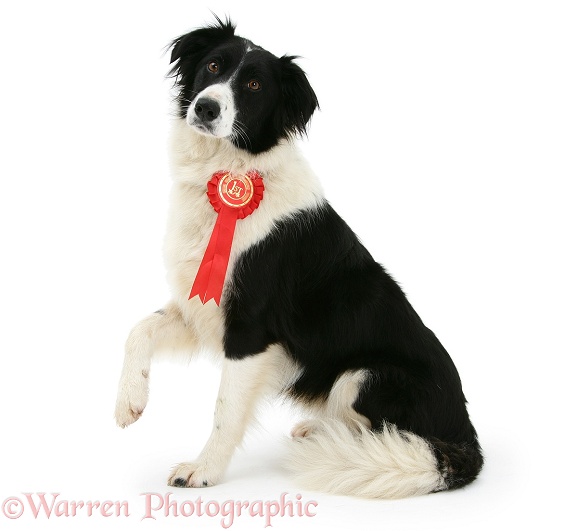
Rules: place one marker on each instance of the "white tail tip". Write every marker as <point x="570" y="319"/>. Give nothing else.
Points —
<point x="390" y="464"/>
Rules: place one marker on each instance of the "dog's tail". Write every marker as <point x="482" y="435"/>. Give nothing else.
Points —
<point x="388" y="464"/>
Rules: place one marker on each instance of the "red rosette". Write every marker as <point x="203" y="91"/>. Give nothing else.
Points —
<point x="242" y="211"/>
<point x="233" y="197"/>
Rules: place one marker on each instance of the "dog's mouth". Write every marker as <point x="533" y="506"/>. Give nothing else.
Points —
<point x="201" y="128"/>
<point x="213" y="129"/>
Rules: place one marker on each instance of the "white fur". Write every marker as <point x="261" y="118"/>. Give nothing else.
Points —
<point x="157" y="332"/>
<point x="222" y="126"/>
<point x="243" y="383"/>
<point x="338" y="406"/>
<point x="390" y="464"/>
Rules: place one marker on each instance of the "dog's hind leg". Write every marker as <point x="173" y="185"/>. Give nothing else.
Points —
<point x="243" y="382"/>
<point x="161" y="330"/>
<point x="337" y="407"/>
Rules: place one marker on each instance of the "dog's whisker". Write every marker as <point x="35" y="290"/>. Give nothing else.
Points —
<point x="239" y="131"/>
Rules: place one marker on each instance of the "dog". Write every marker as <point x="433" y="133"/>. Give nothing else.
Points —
<point x="306" y="312"/>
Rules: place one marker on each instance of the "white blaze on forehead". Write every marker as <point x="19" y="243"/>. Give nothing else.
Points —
<point x="222" y="94"/>
<point x="222" y="126"/>
<point x="249" y="46"/>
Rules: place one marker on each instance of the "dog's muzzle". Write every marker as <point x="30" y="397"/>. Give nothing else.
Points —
<point x="213" y="112"/>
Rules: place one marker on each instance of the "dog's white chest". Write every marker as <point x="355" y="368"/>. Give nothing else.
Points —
<point x="289" y="184"/>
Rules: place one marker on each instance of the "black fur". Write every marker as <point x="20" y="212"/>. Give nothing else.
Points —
<point x="313" y="287"/>
<point x="281" y="108"/>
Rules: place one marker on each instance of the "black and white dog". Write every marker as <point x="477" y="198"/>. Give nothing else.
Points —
<point x="306" y="312"/>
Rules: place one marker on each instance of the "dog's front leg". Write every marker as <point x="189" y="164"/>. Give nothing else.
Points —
<point x="164" y="329"/>
<point x="243" y="382"/>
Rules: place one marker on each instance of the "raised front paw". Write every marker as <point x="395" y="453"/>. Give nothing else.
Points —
<point x="195" y="474"/>
<point x="131" y="400"/>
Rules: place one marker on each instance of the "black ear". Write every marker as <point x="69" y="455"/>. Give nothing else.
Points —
<point x="189" y="49"/>
<point x="299" y="100"/>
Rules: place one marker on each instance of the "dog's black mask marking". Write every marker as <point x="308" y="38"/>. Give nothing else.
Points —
<point x="281" y="108"/>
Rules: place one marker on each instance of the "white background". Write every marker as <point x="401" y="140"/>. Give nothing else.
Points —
<point x="447" y="139"/>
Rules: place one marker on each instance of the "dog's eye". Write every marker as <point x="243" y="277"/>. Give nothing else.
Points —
<point x="213" y="67"/>
<point x="254" y="85"/>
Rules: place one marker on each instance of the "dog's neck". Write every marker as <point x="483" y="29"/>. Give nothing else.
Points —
<point x="196" y="157"/>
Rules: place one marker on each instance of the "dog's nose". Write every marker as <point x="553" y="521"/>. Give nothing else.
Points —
<point x="207" y="109"/>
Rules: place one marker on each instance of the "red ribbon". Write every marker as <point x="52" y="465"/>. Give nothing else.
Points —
<point x="232" y="197"/>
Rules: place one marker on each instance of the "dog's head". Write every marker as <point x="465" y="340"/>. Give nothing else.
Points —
<point x="230" y="88"/>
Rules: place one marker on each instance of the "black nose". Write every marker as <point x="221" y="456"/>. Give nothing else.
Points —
<point x="207" y="110"/>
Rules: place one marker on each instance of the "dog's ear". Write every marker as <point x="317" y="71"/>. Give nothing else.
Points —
<point x="299" y="100"/>
<point x="187" y="50"/>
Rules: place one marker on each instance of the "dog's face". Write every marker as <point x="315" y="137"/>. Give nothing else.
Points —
<point x="230" y="88"/>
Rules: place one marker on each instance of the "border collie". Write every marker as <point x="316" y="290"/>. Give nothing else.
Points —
<point x="306" y="312"/>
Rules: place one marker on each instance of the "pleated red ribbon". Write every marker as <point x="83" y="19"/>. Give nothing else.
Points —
<point x="233" y="197"/>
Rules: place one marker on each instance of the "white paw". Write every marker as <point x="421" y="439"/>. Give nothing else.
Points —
<point x="193" y="474"/>
<point x="131" y="400"/>
<point x="303" y="429"/>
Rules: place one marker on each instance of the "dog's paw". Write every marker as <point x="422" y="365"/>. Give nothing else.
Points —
<point x="193" y="474"/>
<point x="303" y="429"/>
<point x="130" y="403"/>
